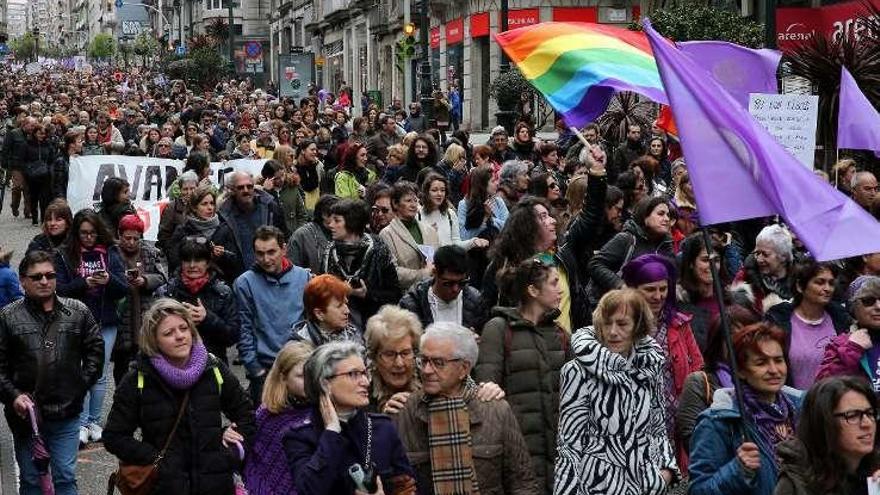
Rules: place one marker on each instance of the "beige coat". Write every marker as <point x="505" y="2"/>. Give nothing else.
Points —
<point x="408" y="258"/>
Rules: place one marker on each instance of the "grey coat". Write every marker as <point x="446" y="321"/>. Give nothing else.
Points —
<point x="307" y="245"/>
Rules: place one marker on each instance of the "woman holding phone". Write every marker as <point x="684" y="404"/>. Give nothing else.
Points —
<point x="344" y="450"/>
<point x="90" y="269"/>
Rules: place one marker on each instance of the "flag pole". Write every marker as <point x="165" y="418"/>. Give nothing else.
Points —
<point x="580" y="136"/>
<point x="728" y="335"/>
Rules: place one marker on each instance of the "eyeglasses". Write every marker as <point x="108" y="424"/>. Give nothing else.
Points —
<point x="391" y="356"/>
<point x="244" y="187"/>
<point x="40" y="276"/>
<point x="198" y="239"/>
<point x="353" y="375"/>
<point x="855" y="416"/>
<point x="868" y="301"/>
<point x="438" y="363"/>
<point x="382" y="210"/>
<point x="88" y="233"/>
<point x="454" y="283"/>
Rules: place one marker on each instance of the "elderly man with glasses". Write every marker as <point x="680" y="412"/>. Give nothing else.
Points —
<point x="455" y="442"/>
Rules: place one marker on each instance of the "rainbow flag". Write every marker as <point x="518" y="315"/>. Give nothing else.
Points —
<point x="579" y="66"/>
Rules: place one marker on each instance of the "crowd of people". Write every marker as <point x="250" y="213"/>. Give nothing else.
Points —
<point x="415" y="313"/>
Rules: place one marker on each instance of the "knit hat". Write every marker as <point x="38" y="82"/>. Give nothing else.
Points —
<point x="131" y="222"/>
<point x="860" y="287"/>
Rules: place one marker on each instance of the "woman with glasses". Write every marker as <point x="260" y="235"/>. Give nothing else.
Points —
<point x="733" y="447"/>
<point x="522" y="349"/>
<point x="175" y="375"/>
<point x="857" y="353"/>
<point x="201" y="290"/>
<point x="834" y="451"/>
<point x="810" y="321"/>
<point x="392" y="339"/>
<point x="90" y="269"/>
<point x="766" y="273"/>
<point x="325" y="302"/>
<point x="612" y="428"/>
<point x="204" y="224"/>
<point x="342" y="441"/>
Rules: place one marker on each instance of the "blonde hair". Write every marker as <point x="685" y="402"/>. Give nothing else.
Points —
<point x="275" y="395"/>
<point x="397" y="151"/>
<point x="390" y="323"/>
<point x="284" y="155"/>
<point x="409" y="138"/>
<point x="161" y="309"/>
<point x="453" y="154"/>
<point x="576" y="193"/>
<point x="636" y="306"/>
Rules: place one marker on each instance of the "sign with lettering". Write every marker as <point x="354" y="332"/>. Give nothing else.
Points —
<point x="149" y="180"/>
<point x="791" y="119"/>
<point x="297" y="71"/>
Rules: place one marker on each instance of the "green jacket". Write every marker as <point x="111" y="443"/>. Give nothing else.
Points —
<point x="347" y="186"/>
<point x="525" y="361"/>
<point x="293" y="204"/>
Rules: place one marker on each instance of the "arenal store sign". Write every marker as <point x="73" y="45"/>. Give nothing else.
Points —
<point x="795" y="25"/>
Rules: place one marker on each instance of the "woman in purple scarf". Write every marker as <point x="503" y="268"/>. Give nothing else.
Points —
<point x="175" y="372"/>
<point x="284" y="406"/>
<point x="733" y="447"/>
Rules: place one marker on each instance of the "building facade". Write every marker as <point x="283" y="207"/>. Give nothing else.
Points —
<point x="17" y="18"/>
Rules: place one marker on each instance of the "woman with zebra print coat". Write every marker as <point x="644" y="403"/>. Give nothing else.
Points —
<point x="612" y="416"/>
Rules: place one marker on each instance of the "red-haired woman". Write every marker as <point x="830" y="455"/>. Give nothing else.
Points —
<point x="353" y="176"/>
<point x="325" y="301"/>
<point x="733" y="456"/>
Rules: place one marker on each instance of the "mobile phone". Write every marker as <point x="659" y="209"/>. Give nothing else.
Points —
<point x="132" y="273"/>
<point x="100" y="273"/>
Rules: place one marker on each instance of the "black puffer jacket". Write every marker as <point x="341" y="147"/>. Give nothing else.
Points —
<point x="230" y="263"/>
<point x="416" y="300"/>
<point x="196" y="462"/>
<point x="627" y="245"/>
<point x="219" y="329"/>
<point x="77" y="364"/>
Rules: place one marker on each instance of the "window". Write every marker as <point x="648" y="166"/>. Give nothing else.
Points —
<point x="216" y="4"/>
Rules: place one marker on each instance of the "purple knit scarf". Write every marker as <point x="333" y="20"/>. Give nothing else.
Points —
<point x="182" y="378"/>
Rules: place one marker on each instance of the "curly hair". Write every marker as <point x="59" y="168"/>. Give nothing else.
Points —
<point x="523" y="223"/>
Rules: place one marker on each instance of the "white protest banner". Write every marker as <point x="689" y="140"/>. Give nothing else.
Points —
<point x="149" y="180"/>
<point x="791" y="119"/>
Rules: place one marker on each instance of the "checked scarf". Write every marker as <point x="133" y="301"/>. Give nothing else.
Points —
<point x="449" y="441"/>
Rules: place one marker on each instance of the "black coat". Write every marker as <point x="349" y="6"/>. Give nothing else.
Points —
<point x="42" y="242"/>
<point x="196" y="462"/>
<point x="416" y="300"/>
<point x="220" y="327"/>
<point x="627" y="245"/>
<point x="378" y="273"/>
<point x="230" y="264"/>
<point x="77" y="364"/>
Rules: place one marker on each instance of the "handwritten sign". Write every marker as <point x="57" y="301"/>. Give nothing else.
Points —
<point x="791" y="119"/>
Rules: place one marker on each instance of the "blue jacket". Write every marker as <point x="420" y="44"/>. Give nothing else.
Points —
<point x="101" y="302"/>
<point x="10" y="289"/>
<point x="714" y="468"/>
<point x="268" y="307"/>
<point x="319" y="458"/>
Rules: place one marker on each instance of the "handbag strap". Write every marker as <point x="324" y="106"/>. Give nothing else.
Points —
<point x="173" y="429"/>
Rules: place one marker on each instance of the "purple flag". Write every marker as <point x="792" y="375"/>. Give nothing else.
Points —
<point x="739" y="171"/>
<point x="738" y="69"/>
<point x="858" y="124"/>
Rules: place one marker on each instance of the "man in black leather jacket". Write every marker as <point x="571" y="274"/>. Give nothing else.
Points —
<point x="51" y="352"/>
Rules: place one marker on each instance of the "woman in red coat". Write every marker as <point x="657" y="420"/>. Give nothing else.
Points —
<point x="654" y="276"/>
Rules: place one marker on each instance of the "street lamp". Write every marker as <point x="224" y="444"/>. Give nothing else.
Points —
<point x="36" y="44"/>
<point x="505" y="115"/>
<point x="426" y="99"/>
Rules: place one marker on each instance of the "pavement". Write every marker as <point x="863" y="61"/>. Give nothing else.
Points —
<point x="94" y="464"/>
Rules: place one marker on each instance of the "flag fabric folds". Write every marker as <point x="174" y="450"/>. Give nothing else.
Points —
<point x="579" y="66"/>
<point x="858" y="123"/>
<point x="739" y="171"/>
<point x="738" y="69"/>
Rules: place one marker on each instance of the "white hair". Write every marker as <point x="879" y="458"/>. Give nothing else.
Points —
<point x="511" y="170"/>
<point x="465" y="344"/>
<point x="189" y="177"/>
<point x="857" y="177"/>
<point x="778" y="237"/>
